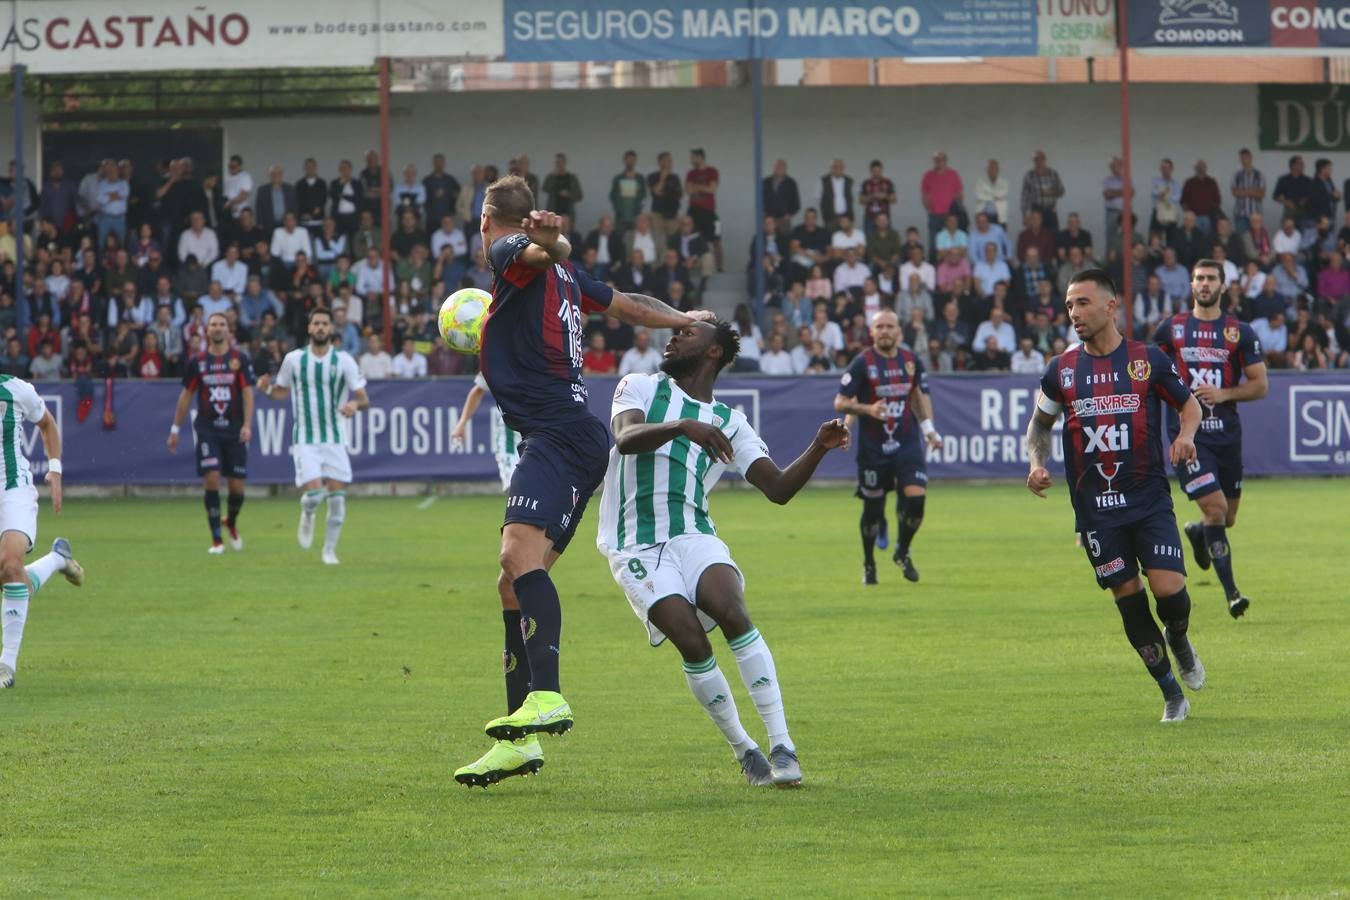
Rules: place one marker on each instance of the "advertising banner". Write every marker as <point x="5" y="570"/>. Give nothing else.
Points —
<point x="1308" y="117"/>
<point x="1076" y="28"/>
<point x="52" y="36"/>
<point x="1277" y="26"/>
<point x="1301" y="428"/>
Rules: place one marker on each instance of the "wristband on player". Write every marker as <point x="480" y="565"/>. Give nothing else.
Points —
<point x="54" y="467"/>
<point x="926" y="426"/>
<point x="173" y="429"/>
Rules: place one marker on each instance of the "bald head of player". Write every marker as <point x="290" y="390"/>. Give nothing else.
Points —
<point x="506" y="203"/>
<point x="218" y="333"/>
<point x="696" y="354"/>
<point x="1207" y="285"/>
<point x="885" y="330"/>
<point x="1091" y="301"/>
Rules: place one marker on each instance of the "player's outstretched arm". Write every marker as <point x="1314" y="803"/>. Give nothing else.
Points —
<point x="634" y="434"/>
<point x="781" y="485"/>
<point x="472" y="401"/>
<point x="179" y="414"/>
<point x="51" y="442"/>
<point x="648" y="312"/>
<point x="548" y="245"/>
<point x="272" y="391"/>
<point x="1040" y="432"/>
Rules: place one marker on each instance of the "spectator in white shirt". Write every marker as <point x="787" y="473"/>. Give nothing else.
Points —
<point x="289" y="239"/>
<point x="851" y="273"/>
<point x="643" y="239"/>
<point x="231" y="272"/>
<point x="409" y="363"/>
<point x="776" y="360"/>
<point x="450" y="235"/>
<point x="410" y="195"/>
<point x="1287" y="239"/>
<point x="990" y="271"/>
<point x="370" y="275"/>
<point x="826" y="331"/>
<point x="920" y="266"/>
<point x="238" y="186"/>
<point x="641" y="358"/>
<point x="1027" y="360"/>
<point x="847" y="238"/>
<point x="214" y="301"/>
<point x="999" y="329"/>
<point x="991" y="193"/>
<point x="198" y="241"/>
<point x="801" y="354"/>
<point x="375" y="363"/>
<point x="1272" y="333"/>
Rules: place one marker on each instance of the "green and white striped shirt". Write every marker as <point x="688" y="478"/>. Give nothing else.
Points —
<point x="318" y="385"/>
<point x="19" y="403"/>
<point x="652" y="497"/>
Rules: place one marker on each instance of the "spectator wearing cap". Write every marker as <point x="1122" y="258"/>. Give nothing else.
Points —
<point x="991" y="194"/>
<point x="878" y="193"/>
<point x="1041" y="190"/>
<point x="941" y="190"/>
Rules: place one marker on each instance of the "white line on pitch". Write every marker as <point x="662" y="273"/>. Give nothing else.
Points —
<point x="427" y="503"/>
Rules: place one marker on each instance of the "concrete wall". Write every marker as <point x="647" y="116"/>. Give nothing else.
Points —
<point x="31" y="134"/>
<point x="1077" y="125"/>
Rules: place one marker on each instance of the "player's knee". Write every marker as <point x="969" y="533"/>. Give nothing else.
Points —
<point x="211" y="481"/>
<point x="12" y="571"/>
<point x="506" y="590"/>
<point x="1230" y="520"/>
<point x="1166" y="584"/>
<point x="1173" y="607"/>
<point x="692" y="643"/>
<point x="735" y="621"/>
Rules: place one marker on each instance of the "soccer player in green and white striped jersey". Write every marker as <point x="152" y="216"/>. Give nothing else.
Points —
<point x="317" y="378"/>
<point x="20" y="403"/>
<point x="672" y="441"/>
<point x="505" y="442"/>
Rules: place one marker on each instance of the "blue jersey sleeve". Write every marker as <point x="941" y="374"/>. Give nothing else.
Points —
<point x="1050" y="384"/>
<point x="595" y="295"/>
<point x="1249" y="346"/>
<point x="851" y="382"/>
<point x="505" y="258"/>
<point x="246" y="374"/>
<point x="1163" y="336"/>
<point x="920" y="375"/>
<point x="1167" y="382"/>
<point x="191" y="374"/>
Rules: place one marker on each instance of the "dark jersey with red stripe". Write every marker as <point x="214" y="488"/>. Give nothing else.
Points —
<point x="1113" y="452"/>
<point x="872" y="377"/>
<point x="531" y="349"/>
<point x="219" y="382"/>
<point x="1213" y="353"/>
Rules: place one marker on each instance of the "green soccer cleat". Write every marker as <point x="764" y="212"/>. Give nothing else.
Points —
<point x="506" y="758"/>
<point x="542" y="711"/>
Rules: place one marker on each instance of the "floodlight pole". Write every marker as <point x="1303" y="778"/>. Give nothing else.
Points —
<point x="386" y="209"/>
<point x="757" y="95"/>
<point x="1127" y="198"/>
<point x="20" y="201"/>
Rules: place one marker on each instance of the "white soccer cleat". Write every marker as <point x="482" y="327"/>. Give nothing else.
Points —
<point x="1176" y="710"/>
<point x="73" y="571"/>
<point x="305" y="534"/>
<point x="330" y="557"/>
<point x="1194" y="677"/>
<point x="6" y="677"/>
<point x="236" y="540"/>
<point x="216" y="550"/>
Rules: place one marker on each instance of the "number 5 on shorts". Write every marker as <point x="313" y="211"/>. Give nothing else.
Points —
<point x="637" y="568"/>
<point x="1094" y="546"/>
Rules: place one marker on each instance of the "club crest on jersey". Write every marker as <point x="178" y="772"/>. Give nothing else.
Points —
<point x="1139" y="369"/>
<point x="909" y="368"/>
<point x="1178" y="333"/>
<point x="1231" y="334"/>
<point x="1066" y="378"/>
<point x="234" y="365"/>
<point x="872" y="372"/>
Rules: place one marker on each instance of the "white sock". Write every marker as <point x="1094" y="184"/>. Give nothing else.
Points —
<point x="337" y="514"/>
<point x="712" y="692"/>
<point x="40" y="572"/>
<point x="310" y="500"/>
<point x="761" y="680"/>
<point x="13" y="613"/>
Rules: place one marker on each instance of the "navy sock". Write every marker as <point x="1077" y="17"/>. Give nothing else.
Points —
<point x="1216" y="539"/>
<point x="870" y="525"/>
<point x="911" y="517"/>
<point x="213" y="513"/>
<point x="1146" y="638"/>
<point x="541" y="619"/>
<point x="1175" y="612"/>
<point x="235" y="503"/>
<point x="515" y="664"/>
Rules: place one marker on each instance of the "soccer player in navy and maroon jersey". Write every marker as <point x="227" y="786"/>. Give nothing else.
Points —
<point x="886" y="387"/>
<point x="1107" y="389"/>
<point x="531" y="360"/>
<point x="221" y="378"/>
<point x="1213" y="351"/>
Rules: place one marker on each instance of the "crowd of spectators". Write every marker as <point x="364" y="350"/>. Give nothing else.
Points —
<point x="120" y="272"/>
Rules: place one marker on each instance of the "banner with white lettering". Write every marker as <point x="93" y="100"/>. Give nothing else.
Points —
<point x="51" y="36"/>
<point x="1271" y="26"/>
<point x="1301" y="428"/>
<point x="1311" y="117"/>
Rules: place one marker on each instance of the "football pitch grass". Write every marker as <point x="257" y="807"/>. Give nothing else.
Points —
<point x="259" y="724"/>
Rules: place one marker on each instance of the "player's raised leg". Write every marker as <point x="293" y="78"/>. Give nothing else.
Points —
<point x="720" y="595"/>
<point x="674" y="617"/>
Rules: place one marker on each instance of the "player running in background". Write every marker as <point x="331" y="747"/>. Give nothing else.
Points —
<point x="221" y="377"/>
<point x="672" y="442"/>
<point x="20" y="403"/>
<point x="505" y="442"/>
<point x="1106" y="388"/>
<point x="887" y="389"/>
<point x="325" y="386"/>
<point x="1213" y="351"/>
<point x="531" y="361"/>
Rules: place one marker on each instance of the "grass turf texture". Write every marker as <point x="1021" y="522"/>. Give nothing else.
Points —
<point x="260" y="724"/>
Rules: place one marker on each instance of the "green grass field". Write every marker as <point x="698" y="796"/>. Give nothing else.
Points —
<point x="259" y="724"/>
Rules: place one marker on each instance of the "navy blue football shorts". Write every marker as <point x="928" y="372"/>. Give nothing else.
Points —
<point x="221" y="452"/>
<point x="1215" y="468"/>
<point x="559" y="469"/>
<point x="1118" y="554"/>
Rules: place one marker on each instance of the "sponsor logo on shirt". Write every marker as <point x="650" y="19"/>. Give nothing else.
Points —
<point x="1112" y="404"/>
<point x="1139" y="369"/>
<point x="1204" y="354"/>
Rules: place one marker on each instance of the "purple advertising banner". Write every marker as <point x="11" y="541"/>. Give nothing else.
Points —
<point x="1301" y="428"/>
